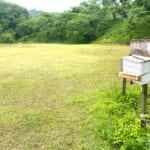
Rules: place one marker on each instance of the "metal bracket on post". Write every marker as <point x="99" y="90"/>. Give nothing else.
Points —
<point x="124" y="86"/>
<point x="144" y="106"/>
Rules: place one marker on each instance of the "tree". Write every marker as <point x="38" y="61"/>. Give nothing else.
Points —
<point x="76" y="9"/>
<point x="6" y="38"/>
<point x="138" y="19"/>
<point x="79" y="29"/>
<point x="107" y="3"/>
<point x="98" y="17"/>
<point x="10" y="16"/>
<point x="118" y="10"/>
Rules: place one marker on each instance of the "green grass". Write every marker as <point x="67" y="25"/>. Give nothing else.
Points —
<point x="121" y="31"/>
<point x="47" y="92"/>
<point x="117" y="32"/>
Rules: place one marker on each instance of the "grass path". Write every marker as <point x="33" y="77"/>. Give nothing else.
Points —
<point x="46" y="91"/>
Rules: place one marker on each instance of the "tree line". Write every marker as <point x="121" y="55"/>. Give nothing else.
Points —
<point x="81" y="24"/>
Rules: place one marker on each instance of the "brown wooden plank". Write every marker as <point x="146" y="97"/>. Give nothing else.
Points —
<point x="128" y="76"/>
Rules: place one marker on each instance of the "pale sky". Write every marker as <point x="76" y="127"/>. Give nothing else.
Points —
<point x="47" y="5"/>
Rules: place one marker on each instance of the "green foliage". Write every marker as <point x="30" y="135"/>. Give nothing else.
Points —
<point x="10" y="16"/>
<point x="7" y="38"/>
<point x="87" y="22"/>
<point x="116" y="32"/>
<point x="25" y="28"/>
<point x="79" y="30"/>
<point x="138" y="19"/>
<point x="108" y="2"/>
<point x="117" y="120"/>
<point x="123" y="30"/>
<point x="135" y="25"/>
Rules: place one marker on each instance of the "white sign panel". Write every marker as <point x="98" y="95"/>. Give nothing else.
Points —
<point x="131" y="67"/>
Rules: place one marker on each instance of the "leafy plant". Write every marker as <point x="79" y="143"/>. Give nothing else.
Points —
<point x="118" y="120"/>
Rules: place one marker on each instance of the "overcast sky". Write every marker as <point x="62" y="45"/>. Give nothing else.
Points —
<point x="47" y="5"/>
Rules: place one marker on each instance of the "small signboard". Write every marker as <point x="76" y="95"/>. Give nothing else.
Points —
<point x="140" y="47"/>
<point x="136" y="68"/>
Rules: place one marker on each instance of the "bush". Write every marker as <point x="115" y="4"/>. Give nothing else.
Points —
<point x="117" y="119"/>
<point x="6" y="38"/>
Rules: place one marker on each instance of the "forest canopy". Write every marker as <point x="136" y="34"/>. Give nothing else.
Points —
<point x="113" y="20"/>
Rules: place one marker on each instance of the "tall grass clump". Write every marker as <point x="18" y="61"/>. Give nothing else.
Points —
<point x="117" y="119"/>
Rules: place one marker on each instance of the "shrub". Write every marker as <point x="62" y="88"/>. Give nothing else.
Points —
<point x="117" y="119"/>
<point x="6" y="38"/>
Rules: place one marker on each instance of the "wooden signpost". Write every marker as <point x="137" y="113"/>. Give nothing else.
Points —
<point x="136" y="67"/>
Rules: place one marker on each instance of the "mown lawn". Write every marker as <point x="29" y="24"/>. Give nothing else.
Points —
<point x="47" y="90"/>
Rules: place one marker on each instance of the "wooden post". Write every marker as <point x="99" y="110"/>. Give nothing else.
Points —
<point x="144" y="105"/>
<point x="144" y="99"/>
<point x="124" y="86"/>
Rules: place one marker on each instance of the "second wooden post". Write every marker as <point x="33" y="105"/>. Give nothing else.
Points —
<point x="144" y="105"/>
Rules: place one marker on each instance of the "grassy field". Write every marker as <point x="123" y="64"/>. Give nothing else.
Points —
<point x="47" y="91"/>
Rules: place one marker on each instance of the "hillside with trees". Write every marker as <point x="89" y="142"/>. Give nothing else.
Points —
<point x="10" y="16"/>
<point x="113" y="20"/>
